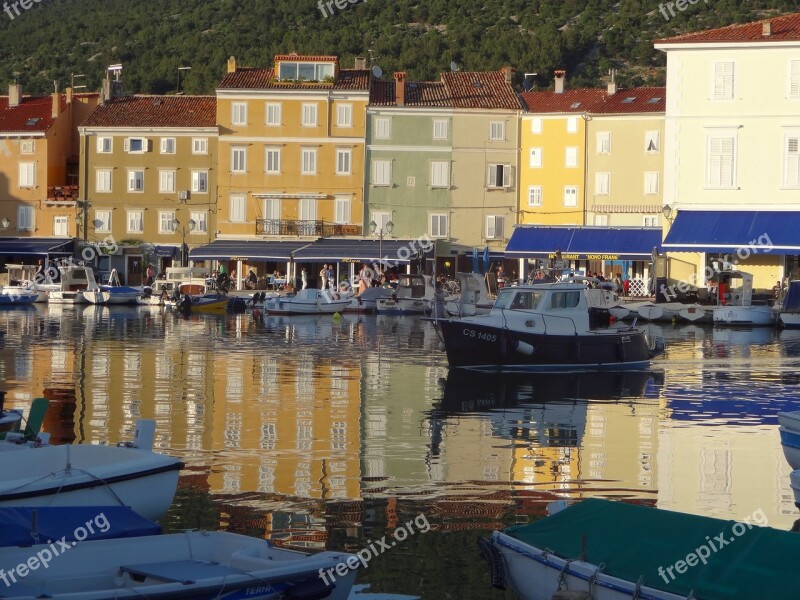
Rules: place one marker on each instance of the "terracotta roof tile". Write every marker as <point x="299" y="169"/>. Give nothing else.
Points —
<point x="785" y="28"/>
<point x="155" y="111"/>
<point x="486" y="89"/>
<point x="33" y="114"/>
<point x="306" y="58"/>
<point x="249" y="78"/>
<point x="635" y="100"/>
<point x="570" y="101"/>
<point x="418" y="93"/>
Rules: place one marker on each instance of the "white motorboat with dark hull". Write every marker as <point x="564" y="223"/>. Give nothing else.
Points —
<point x="307" y="302"/>
<point x="542" y="326"/>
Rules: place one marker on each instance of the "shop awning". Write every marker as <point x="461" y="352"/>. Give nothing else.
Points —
<point x="723" y="231"/>
<point x="36" y="246"/>
<point x="255" y="250"/>
<point x="352" y="250"/>
<point x="584" y="243"/>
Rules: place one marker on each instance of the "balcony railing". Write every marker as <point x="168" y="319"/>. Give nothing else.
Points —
<point x="305" y="228"/>
<point x="62" y="195"/>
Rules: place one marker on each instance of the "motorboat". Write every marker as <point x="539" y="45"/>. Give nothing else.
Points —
<point x="74" y="475"/>
<point x="309" y="301"/>
<point x="77" y="286"/>
<point x="23" y="279"/>
<point x="367" y="301"/>
<point x="196" y="564"/>
<point x="10" y="419"/>
<point x="696" y="313"/>
<point x="790" y="311"/>
<point x="198" y="295"/>
<point x="735" y="305"/>
<point x="115" y="293"/>
<point x="625" y="311"/>
<point x="790" y="437"/>
<point x="667" y="311"/>
<point x="543" y="326"/>
<point x="413" y="295"/>
<point x="591" y="549"/>
<point x="11" y="297"/>
<point x="13" y="436"/>
<point x="473" y="298"/>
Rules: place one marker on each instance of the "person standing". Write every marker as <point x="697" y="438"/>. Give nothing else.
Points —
<point x="304" y="278"/>
<point x="323" y="276"/>
<point x="151" y="275"/>
<point x="501" y="277"/>
<point x="331" y="281"/>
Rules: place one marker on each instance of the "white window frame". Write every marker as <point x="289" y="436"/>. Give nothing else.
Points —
<point x="26" y="216"/>
<point x="168" y="145"/>
<point x="135" y="217"/>
<point x="273" y="114"/>
<point x="491" y="180"/>
<point x="27" y="147"/>
<point x="535" y="195"/>
<point x="572" y="124"/>
<point x="136" y="181"/>
<point x="652" y="138"/>
<point x="440" y="174"/>
<point x="344" y="161"/>
<point x="604" y="142"/>
<point x="103" y="216"/>
<point x="438" y="225"/>
<point x="381" y="218"/>
<point x="239" y="113"/>
<point x="342" y="209"/>
<point x="308" y="209"/>
<point x="383" y="128"/>
<point x="791" y="160"/>
<point x="723" y="80"/>
<point x="272" y="209"/>
<point x="272" y="160"/>
<point x="27" y="175"/>
<point x="105" y="145"/>
<point x="101" y="178"/>
<point x="441" y="129"/>
<point x="602" y="183"/>
<point x="200" y="182"/>
<point x="238" y="208"/>
<point x="571" y="157"/>
<point x="344" y="114"/>
<point x="165" y="219"/>
<point x="308" y="113"/>
<point x="308" y="161"/>
<point x="166" y="181"/>
<point x="536" y="125"/>
<point x="651" y="221"/>
<point x="652" y="183"/>
<point x="200" y="218"/>
<point x="715" y="172"/>
<point x="238" y="159"/>
<point x="61" y="225"/>
<point x="199" y="145"/>
<point x="142" y="142"/>
<point x="535" y="158"/>
<point x="382" y="173"/>
<point x="497" y="131"/>
<point x="571" y="195"/>
<point x="495" y="227"/>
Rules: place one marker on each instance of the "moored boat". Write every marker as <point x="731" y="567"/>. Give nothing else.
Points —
<point x="413" y="296"/>
<point x="790" y="311"/>
<point x="77" y="286"/>
<point x="473" y="298"/>
<point x="309" y="301"/>
<point x="23" y="278"/>
<point x="199" y="295"/>
<point x="735" y="305"/>
<point x="367" y="301"/>
<point x="11" y="297"/>
<point x="790" y="436"/>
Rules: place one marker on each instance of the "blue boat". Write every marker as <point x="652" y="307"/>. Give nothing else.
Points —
<point x="790" y="311"/>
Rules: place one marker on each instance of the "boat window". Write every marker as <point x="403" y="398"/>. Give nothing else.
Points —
<point x="504" y="299"/>
<point x="525" y="300"/>
<point x="565" y="299"/>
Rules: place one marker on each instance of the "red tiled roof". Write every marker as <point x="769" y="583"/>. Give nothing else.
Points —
<point x="305" y="58"/>
<point x="570" y="101"/>
<point x="418" y="93"/>
<point x="33" y="114"/>
<point x="480" y="90"/>
<point x="785" y="28"/>
<point x="635" y="100"/>
<point x="264" y="79"/>
<point x="155" y="111"/>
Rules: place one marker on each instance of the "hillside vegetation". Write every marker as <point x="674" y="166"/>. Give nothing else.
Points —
<point x="151" y="38"/>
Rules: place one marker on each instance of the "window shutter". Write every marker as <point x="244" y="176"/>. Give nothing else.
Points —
<point x="126" y="145"/>
<point x="492" y="177"/>
<point x="794" y="79"/>
<point x="506" y="175"/>
<point x="793" y="162"/>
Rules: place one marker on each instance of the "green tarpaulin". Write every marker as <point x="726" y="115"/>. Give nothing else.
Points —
<point x="741" y="562"/>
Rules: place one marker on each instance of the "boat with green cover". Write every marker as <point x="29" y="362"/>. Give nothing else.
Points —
<point x="604" y="550"/>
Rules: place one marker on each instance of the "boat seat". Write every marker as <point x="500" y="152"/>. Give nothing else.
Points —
<point x="180" y="571"/>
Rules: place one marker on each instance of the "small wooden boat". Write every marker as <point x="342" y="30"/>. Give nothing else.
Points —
<point x="199" y="295"/>
<point x="608" y="550"/>
<point x="735" y="305"/>
<point x="309" y="301"/>
<point x="194" y="565"/>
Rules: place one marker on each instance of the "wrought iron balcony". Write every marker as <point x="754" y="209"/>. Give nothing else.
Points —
<point x="286" y="227"/>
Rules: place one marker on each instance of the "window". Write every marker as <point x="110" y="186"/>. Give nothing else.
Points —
<point x="720" y="162"/>
<point x="309" y="115"/>
<point x="103" y="180"/>
<point x="604" y="142"/>
<point x="440" y="129"/>
<point x="166" y="181"/>
<point x="565" y="299"/>
<point x="167" y="145"/>
<point x="60" y="225"/>
<point x="571" y="156"/>
<point x="791" y="170"/>
<point x="381" y="218"/>
<point x="165" y="219"/>
<point x="272" y="209"/>
<point x="27" y="147"/>
<point x="572" y="124"/>
<point x="499" y="176"/>
<point x="497" y="131"/>
<point x="135" y="221"/>
<point x="305" y="71"/>
<point x="383" y="128"/>
<point x="103" y="145"/>
<point x="381" y="172"/>
<point x="238" y="208"/>
<point x="536" y="125"/>
<point x="344" y="115"/>
<point x="794" y="79"/>
<point x="571" y="195"/>
<point x="651" y="184"/>
<point x="136" y="145"/>
<point x="534" y="195"/>
<point x="495" y="227"/>
<point x="308" y="209"/>
<point x="601" y="220"/>
<point x="536" y="157"/>
<point x="135" y="181"/>
<point x="238" y="160"/>
<point x="102" y="221"/>
<point x="199" y="145"/>
<point x="27" y="174"/>
<point x="200" y="218"/>
<point x="440" y="173"/>
<point x="344" y="158"/>
<point x="723" y="81"/>
<point x="437" y="225"/>
<point x="651" y="142"/>
<point x="273" y="160"/>
<point x="273" y="110"/>
<point x="200" y="181"/>
<point x="650" y="221"/>
<point x="602" y="184"/>
<point x="341" y="209"/>
<point x="239" y="113"/>
<point x="25" y="218"/>
<point x="309" y="161"/>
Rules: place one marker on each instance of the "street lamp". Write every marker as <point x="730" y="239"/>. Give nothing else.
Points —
<point x="387" y="228"/>
<point x="666" y="210"/>
<point x="5" y="223"/>
<point x="178" y="92"/>
<point x="184" y="251"/>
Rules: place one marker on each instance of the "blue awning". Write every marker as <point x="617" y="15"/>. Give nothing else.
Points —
<point x="584" y="243"/>
<point x="36" y="246"/>
<point x="770" y="232"/>
<point x="255" y="250"/>
<point x="342" y="249"/>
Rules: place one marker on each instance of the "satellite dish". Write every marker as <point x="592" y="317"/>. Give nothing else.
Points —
<point x="377" y="72"/>
<point x="454" y="66"/>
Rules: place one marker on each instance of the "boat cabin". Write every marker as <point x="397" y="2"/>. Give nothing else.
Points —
<point x="551" y="306"/>
<point x="414" y="286"/>
<point x="77" y="278"/>
<point x="19" y="273"/>
<point x="734" y="288"/>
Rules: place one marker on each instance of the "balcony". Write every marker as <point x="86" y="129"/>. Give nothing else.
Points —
<point x="284" y="227"/>
<point x="62" y="195"/>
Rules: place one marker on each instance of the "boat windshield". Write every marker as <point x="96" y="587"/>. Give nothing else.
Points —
<point x="518" y="299"/>
<point x="565" y="299"/>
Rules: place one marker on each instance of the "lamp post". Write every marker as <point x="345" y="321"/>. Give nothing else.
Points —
<point x="178" y="91"/>
<point x="191" y="224"/>
<point x="386" y="229"/>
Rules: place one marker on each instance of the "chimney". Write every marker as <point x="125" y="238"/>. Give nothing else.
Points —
<point x="232" y="64"/>
<point x="360" y="63"/>
<point x="56" y="110"/>
<point x="14" y="94"/>
<point x="561" y="77"/>
<point x="400" y="88"/>
<point x="105" y="92"/>
<point x="509" y="73"/>
<point x="70" y="92"/>
<point x="766" y="29"/>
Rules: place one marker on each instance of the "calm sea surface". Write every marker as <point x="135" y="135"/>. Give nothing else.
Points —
<point x="320" y="433"/>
